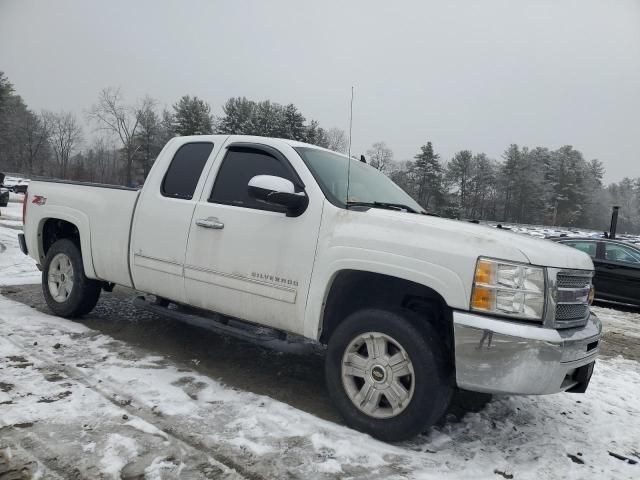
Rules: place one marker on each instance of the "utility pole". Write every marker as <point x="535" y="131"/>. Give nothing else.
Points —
<point x="614" y="221"/>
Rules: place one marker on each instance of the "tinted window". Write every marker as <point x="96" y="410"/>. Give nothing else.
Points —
<point x="620" y="253"/>
<point x="184" y="172"/>
<point x="238" y="167"/>
<point x="586" y="247"/>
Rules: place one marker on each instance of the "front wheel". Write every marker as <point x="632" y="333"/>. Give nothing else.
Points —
<point x="68" y="292"/>
<point x="388" y="374"/>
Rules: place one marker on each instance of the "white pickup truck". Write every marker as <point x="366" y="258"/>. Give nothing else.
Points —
<point x="263" y="231"/>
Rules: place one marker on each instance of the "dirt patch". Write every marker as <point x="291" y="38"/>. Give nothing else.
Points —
<point x="18" y="361"/>
<point x="23" y="425"/>
<point x="190" y="386"/>
<point x="9" y="470"/>
<point x="16" y="358"/>
<point x="6" y="387"/>
<point x="55" y="398"/>
<point x="614" y="344"/>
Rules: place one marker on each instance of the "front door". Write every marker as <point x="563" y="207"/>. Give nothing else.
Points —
<point x="618" y="269"/>
<point x="246" y="258"/>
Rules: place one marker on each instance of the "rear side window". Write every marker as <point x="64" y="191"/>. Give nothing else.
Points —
<point x="586" y="247"/>
<point x="238" y="167"/>
<point x="185" y="169"/>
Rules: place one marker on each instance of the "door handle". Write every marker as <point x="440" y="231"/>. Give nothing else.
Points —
<point x="210" y="222"/>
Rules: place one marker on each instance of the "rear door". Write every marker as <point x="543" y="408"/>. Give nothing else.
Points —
<point x="163" y="218"/>
<point x="619" y="270"/>
<point x="248" y="259"/>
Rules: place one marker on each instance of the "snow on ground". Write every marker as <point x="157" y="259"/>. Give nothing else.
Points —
<point x="619" y="322"/>
<point x="15" y="268"/>
<point x="116" y="405"/>
<point x="13" y="210"/>
<point x="76" y="402"/>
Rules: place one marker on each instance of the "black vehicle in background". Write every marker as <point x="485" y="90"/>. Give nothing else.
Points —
<point x="4" y="197"/>
<point x="4" y="192"/>
<point x="617" y="265"/>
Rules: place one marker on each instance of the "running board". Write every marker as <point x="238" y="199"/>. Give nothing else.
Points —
<point x="264" y="336"/>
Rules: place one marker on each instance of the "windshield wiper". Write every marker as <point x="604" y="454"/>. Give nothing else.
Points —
<point x="387" y="205"/>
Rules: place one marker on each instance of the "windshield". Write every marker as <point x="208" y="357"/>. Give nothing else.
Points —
<point x="366" y="184"/>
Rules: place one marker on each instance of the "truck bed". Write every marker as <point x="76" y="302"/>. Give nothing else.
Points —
<point x="103" y="213"/>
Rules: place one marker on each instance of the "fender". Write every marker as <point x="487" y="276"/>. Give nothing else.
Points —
<point x="82" y="223"/>
<point x="442" y="280"/>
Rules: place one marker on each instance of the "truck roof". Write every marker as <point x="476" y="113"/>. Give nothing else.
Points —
<point x="252" y="138"/>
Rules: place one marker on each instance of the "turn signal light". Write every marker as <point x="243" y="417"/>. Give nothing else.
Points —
<point x="485" y="272"/>
<point x="483" y="298"/>
<point x="592" y="295"/>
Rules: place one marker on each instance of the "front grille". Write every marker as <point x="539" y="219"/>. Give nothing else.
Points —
<point x="571" y="295"/>
<point x="571" y="281"/>
<point x="566" y="312"/>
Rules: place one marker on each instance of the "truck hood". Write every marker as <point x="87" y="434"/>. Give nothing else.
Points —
<point x="489" y="241"/>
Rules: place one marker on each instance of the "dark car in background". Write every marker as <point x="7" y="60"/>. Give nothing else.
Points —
<point x="4" y="197"/>
<point x="617" y="267"/>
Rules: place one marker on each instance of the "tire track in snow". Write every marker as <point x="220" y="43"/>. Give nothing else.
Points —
<point x="122" y="400"/>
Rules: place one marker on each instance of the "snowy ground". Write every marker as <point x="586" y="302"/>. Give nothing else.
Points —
<point x="75" y="402"/>
<point x="15" y="268"/>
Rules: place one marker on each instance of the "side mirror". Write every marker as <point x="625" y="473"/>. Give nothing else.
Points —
<point x="278" y="191"/>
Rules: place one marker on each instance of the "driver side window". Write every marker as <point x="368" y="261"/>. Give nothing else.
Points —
<point x="620" y="253"/>
<point x="238" y="167"/>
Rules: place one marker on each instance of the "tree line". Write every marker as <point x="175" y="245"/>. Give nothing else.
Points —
<point x="526" y="185"/>
<point x="127" y="137"/>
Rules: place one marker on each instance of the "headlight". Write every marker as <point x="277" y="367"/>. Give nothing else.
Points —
<point x="506" y="288"/>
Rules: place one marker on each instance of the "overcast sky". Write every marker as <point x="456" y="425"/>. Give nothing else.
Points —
<point x="475" y="75"/>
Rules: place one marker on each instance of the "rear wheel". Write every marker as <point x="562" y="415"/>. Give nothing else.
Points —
<point x="387" y="373"/>
<point x="68" y="292"/>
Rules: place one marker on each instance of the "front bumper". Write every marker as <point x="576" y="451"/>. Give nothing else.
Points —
<point x="499" y="356"/>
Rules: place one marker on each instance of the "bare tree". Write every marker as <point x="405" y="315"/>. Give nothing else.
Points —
<point x="65" y="136"/>
<point x="112" y="115"/>
<point x="380" y="156"/>
<point x="33" y="133"/>
<point x="337" y="140"/>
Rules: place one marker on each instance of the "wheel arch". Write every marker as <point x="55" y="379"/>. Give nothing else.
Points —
<point x="352" y="289"/>
<point x="64" y="225"/>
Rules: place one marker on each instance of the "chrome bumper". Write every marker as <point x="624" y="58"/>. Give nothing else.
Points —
<point x="499" y="356"/>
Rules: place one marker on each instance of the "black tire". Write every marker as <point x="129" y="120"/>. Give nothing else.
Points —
<point x="84" y="292"/>
<point x="432" y="371"/>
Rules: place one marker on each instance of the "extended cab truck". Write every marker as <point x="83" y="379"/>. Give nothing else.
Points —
<point x="410" y="306"/>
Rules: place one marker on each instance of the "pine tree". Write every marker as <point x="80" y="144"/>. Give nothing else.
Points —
<point x="192" y="116"/>
<point x="293" y="127"/>
<point x="427" y="176"/>
<point x="316" y="135"/>
<point x="459" y="172"/>
<point x="6" y="91"/>
<point x="238" y="117"/>
<point x="149" y="136"/>
<point x="482" y="188"/>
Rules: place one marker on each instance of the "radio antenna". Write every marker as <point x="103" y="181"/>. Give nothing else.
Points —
<point x="349" y="154"/>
